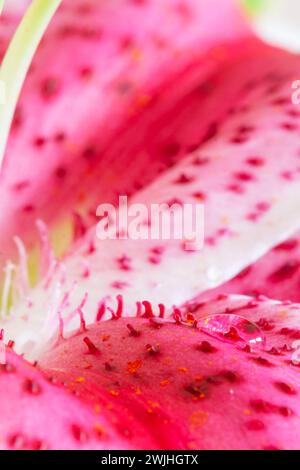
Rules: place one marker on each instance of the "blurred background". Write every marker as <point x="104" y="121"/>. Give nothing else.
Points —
<point x="278" y="21"/>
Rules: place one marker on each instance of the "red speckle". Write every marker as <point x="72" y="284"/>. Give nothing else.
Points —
<point x="243" y="176"/>
<point x="255" y="161"/>
<point x="288" y="245"/>
<point x="255" y="425"/>
<point x="37" y="444"/>
<point x="79" y="433"/>
<point x="32" y="387"/>
<point x="39" y="142"/>
<point x="262" y="361"/>
<point x="28" y="208"/>
<point x="285" y="388"/>
<point x="200" y="161"/>
<point x="265" y="325"/>
<point x="89" y="153"/>
<point x="119" y="285"/>
<point x="60" y="137"/>
<point x="239" y="139"/>
<point x="50" y="87"/>
<point x="261" y="406"/>
<point x="184" y="179"/>
<point x="8" y="368"/>
<point x="285" y="272"/>
<point x="21" y="185"/>
<point x="86" y="73"/>
<point x="236" y="188"/>
<point x="17" y="442"/>
<point x="124" y="263"/>
<point x="200" y="196"/>
<point x="171" y="149"/>
<point x="206" y="347"/>
<point x="263" y="206"/>
<point x="289" y="126"/>
<point x="60" y="172"/>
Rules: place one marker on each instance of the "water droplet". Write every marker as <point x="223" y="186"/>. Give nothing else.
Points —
<point x="233" y="329"/>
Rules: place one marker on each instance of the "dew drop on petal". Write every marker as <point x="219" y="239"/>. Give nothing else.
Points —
<point x="234" y="329"/>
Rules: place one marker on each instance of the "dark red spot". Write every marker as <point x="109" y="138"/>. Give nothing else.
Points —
<point x="236" y="188"/>
<point x="28" y="208"/>
<point x="17" y="442"/>
<point x="289" y="126"/>
<point x="89" y="153"/>
<point x="184" y="179"/>
<point x="288" y="245"/>
<point x="261" y="406"/>
<point x="8" y="368"/>
<point x="255" y="425"/>
<point x="255" y="161"/>
<point x="200" y="196"/>
<point x="243" y="176"/>
<point x="60" y="137"/>
<point x="39" y="142"/>
<point x="262" y="361"/>
<point x="200" y="161"/>
<point x="37" y="444"/>
<point x="286" y="271"/>
<point x="32" y="386"/>
<point x="265" y="325"/>
<point x="124" y="263"/>
<point x="50" y="87"/>
<point x="206" y="347"/>
<point x="60" y="172"/>
<point x="86" y="73"/>
<point x="79" y="433"/>
<point x="285" y="388"/>
<point x="21" y="185"/>
<point x="171" y="150"/>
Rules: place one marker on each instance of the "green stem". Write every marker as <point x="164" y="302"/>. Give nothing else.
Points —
<point x="18" y="58"/>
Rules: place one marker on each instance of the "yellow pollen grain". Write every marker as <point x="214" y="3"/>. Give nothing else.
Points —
<point x="182" y="369"/>
<point x="198" y="419"/>
<point x="105" y="337"/>
<point x="133" y="366"/>
<point x="136" y="53"/>
<point x="247" y="412"/>
<point x="143" y="100"/>
<point x="79" y="380"/>
<point x="114" y="393"/>
<point x="163" y="383"/>
<point x="99" y="429"/>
